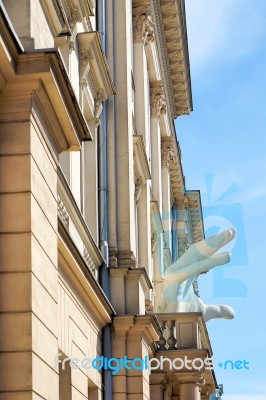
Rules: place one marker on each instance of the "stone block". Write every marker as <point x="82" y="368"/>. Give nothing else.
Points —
<point x="44" y="343"/>
<point x="15" y="332"/>
<point x="15" y="173"/>
<point x="15" y="250"/>
<point x="15" y="215"/>
<point x="15" y="292"/>
<point x="44" y="269"/>
<point x="44" y="306"/>
<point x="45" y="381"/>
<point x="16" y="371"/>
<point x="15" y="138"/>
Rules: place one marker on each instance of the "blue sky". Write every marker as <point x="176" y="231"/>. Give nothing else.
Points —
<point x="223" y="145"/>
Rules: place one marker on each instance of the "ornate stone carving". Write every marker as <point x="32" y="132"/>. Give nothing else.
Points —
<point x="71" y="45"/>
<point x="62" y="213"/>
<point x="89" y="262"/>
<point x="172" y="39"/>
<point x="143" y="27"/>
<point x="98" y="106"/>
<point x="168" y="151"/>
<point x="158" y="100"/>
<point x="77" y="10"/>
<point x="153" y="243"/>
<point x="182" y="244"/>
<point x="85" y="57"/>
<point x="72" y="12"/>
<point x="138" y="185"/>
<point x="171" y="158"/>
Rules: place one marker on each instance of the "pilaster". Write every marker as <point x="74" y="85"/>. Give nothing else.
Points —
<point x="126" y="235"/>
<point x="134" y="336"/>
<point x="28" y="247"/>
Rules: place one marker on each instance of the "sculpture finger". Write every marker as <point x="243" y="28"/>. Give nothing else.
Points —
<point x="207" y="264"/>
<point x="175" y="273"/>
<point x="218" y="311"/>
<point x="205" y="248"/>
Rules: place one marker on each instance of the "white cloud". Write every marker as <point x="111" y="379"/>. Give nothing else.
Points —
<point x="223" y="30"/>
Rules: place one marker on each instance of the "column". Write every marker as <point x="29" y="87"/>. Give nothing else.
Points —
<point x="158" y="108"/>
<point x="124" y="134"/>
<point x="189" y="385"/>
<point x="157" y="385"/>
<point x="144" y="228"/>
<point x="90" y="183"/>
<point x="167" y="149"/>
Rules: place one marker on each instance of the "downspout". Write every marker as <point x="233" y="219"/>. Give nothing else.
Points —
<point x="103" y="210"/>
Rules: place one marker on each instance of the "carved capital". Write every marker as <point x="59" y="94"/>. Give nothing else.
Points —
<point x="158" y="100"/>
<point x="168" y="151"/>
<point x="143" y="27"/>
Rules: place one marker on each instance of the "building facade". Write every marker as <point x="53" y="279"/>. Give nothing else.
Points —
<point x="93" y="201"/>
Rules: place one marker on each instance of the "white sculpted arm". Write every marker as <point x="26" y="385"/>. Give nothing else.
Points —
<point x="178" y="294"/>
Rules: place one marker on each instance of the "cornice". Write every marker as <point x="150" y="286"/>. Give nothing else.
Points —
<point x="23" y="69"/>
<point x="171" y="158"/>
<point x="93" y="62"/>
<point x="171" y="37"/>
<point x="77" y="10"/>
<point x="191" y="201"/>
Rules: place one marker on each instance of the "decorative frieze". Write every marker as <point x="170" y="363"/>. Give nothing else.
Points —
<point x="191" y="202"/>
<point x="171" y="159"/>
<point x="143" y="27"/>
<point x="157" y="100"/>
<point x="93" y="62"/>
<point x="77" y="10"/>
<point x="171" y="34"/>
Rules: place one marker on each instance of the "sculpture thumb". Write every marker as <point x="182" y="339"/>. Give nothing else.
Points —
<point x="218" y="311"/>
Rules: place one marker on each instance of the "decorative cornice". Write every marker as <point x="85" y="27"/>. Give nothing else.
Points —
<point x="77" y="10"/>
<point x="143" y="27"/>
<point x="158" y="100"/>
<point x="171" y="158"/>
<point x="171" y="35"/>
<point x="191" y="201"/>
<point x="93" y="62"/>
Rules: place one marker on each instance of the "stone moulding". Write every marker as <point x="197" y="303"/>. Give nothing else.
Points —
<point x="191" y="201"/>
<point x="76" y="225"/>
<point x="92" y="59"/>
<point x="76" y="10"/>
<point x="143" y="26"/>
<point x="171" y="158"/>
<point x="171" y="37"/>
<point x="142" y="168"/>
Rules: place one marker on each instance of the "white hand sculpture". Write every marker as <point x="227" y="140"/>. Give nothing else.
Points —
<point x="177" y="290"/>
